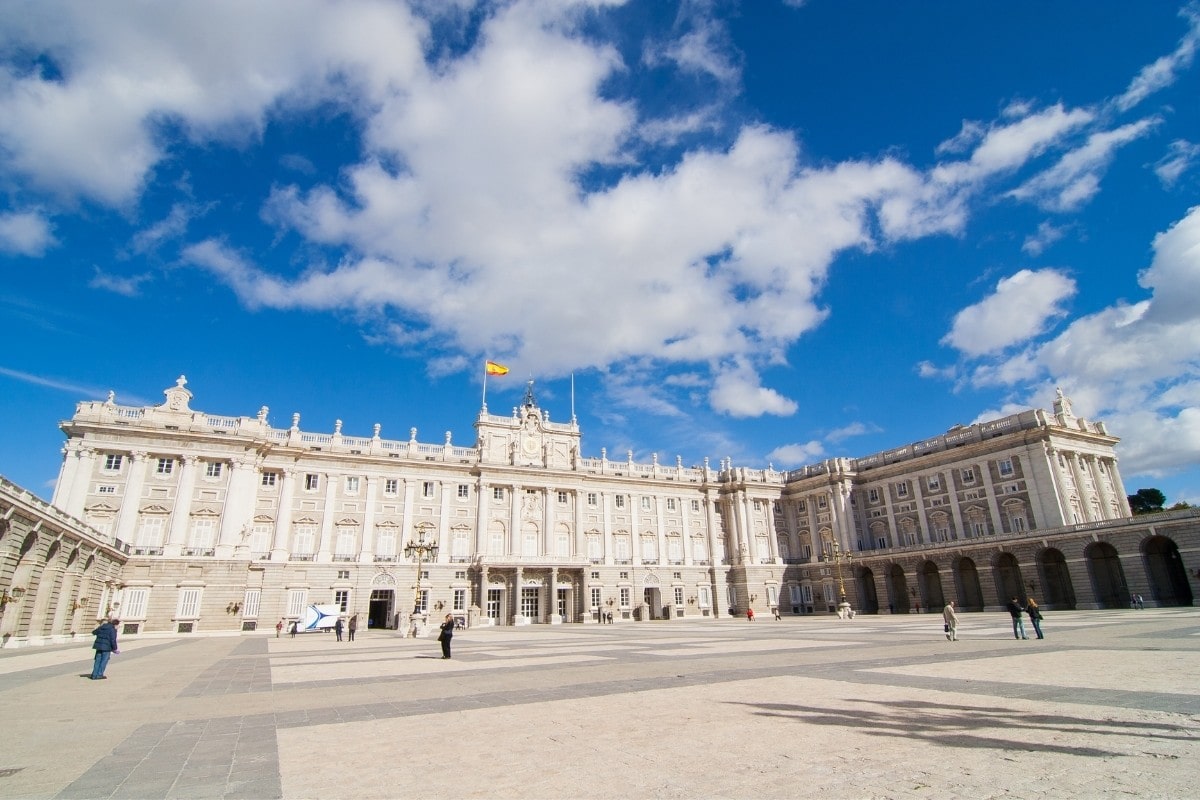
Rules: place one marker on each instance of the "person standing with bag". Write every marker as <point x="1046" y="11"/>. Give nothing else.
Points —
<point x="1035" y="617"/>
<point x="447" y="633"/>
<point x="105" y="646"/>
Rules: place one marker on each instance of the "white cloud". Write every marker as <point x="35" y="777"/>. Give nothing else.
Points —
<point x="1181" y="154"/>
<point x="25" y="233"/>
<point x="851" y="430"/>
<point x="1021" y="307"/>
<point x="796" y="455"/>
<point x="740" y="393"/>
<point x="1075" y="179"/>
<point x="1163" y="71"/>
<point x="129" y="286"/>
<point x="1047" y="234"/>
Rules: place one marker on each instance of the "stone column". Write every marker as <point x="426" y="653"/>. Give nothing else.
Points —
<point x="238" y="506"/>
<point x="1085" y="507"/>
<point x="772" y="537"/>
<point x="554" y="617"/>
<point x="746" y="529"/>
<point x="283" y="518"/>
<point x="443" y="532"/>
<point x="607" y="523"/>
<point x="993" y="503"/>
<point x="550" y="548"/>
<point x="919" y="499"/>
<point x="517" y="617"/>
<point x="685" y="530"/>
<point x="177" y="533"/>
<point x="132" y="499"/>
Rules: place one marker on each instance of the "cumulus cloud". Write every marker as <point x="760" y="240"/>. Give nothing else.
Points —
<point x="1021" y="307"/>
<point x="796" y="455"/>
<point x="739" y="393"/>
<point x="25" y="233"/>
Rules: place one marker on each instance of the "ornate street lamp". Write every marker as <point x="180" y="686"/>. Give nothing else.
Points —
<point x="424" y="550"/>
<point x="836" y="555"/>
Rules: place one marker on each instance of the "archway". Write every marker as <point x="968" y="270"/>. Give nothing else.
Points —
<point x="1008" y="578"/>
<point x="897" y="590"/>
<point x="931" y="586"/>
<point x="1168" y="579"/>
<point x="966" y="579"/>
<point x="1057" y="591"/>
<point x="1108" y="577"/>
<point x="868" y="599"/>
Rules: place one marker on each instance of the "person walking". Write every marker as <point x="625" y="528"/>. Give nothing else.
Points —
<point x="278" y="628"/>
<point x="105" y="647"/>
<point x="352" y="627"/>
<point x="1035" y="617"/>
<point x="775" y="610"/>
<point x="447" y="633"/>
<point x="750" y="614"/>
<point x="951" y="618"/>
<point x="294" y="624"/>
<point x="337" y="629"/>
<point x="1015" y="610"/>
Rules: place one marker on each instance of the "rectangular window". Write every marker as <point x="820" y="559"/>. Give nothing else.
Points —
<point x="562" y="498"/>
<point x="202" y="534"/>
<point x="670" y="504"/>
<point x="678" y="595"/>
<point x="873" y="495"/>
<point x="620" y="501"/>
<point x="968" y="475"/>
<point x="165" y="466"/>
<point x="460" y="546"/>
<point x="250" y="603"/>
<point x="341" y="598"/>
<point x="391" y="487"/>
<point x="802" y="507"/>
<point x="695" y="506"/>
<point x="595" y="597"/>
<point x="423" y="602"/>
<point x="758" y="505"/>
<point x="464" y="491"/>
<point x="460" y="600"/>
<point x="704" y="598"/>
<point x="624" y="597"/>
<point x="822" y="502"/>
<point x="112" y="463"/>
<point x="312" y="482"/>
<point x="347" y="542"/>
<point x="106" y="489"/>
<point x="297" y="600"/>
<point x="305" y="540"/>
<point x="591" y="499"/>
<point x="935" y="483"/>
<point x="352" y="484"/>
<point x="268" y="479"/>
<point x="427" y="489"/>
<point x="212" y="469"/>
<point x="1006" y="467"/>
<point x="902" y="489"/>
<point x="260" y="539"/>
<point x="806" y="552"/>
<point x="189" y="604"/>
<point x="135" y="602"/>
<point x="150" y="532"/>
<point x="385" y="540"/>
<point x="881" y="542"/>
<point x="497" y="492"/>
<point x="645" y="504"/>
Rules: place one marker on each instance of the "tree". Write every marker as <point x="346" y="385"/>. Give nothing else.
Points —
<point x="1147" y="501"/>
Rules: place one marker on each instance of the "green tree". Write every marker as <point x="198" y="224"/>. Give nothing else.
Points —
<point x="1147" y="501"/>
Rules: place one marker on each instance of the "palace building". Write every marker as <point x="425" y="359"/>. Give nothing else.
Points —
<point x="184" y="521"/>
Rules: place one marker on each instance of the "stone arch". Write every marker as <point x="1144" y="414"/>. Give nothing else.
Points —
<point x="1007" y="573"/>
<point x="897" y="589"/>
<point x="868" y="599"/>
<point x="1107" y="574"/>
<point x="1057" y="591"/>
<point x="966" y="581"/>
<point x="1164" y="568"/>
<point x="929" y="579"/>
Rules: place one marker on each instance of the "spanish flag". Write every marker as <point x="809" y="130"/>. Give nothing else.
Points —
<point x="492" y="368"/>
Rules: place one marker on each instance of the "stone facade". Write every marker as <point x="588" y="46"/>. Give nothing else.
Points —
<point x="230" y="524"/>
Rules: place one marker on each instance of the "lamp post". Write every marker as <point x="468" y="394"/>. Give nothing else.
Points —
<point x="424" y="550"/>
<point x="836" y="555"/>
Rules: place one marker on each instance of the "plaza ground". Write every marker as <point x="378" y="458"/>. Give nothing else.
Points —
<point x="1107" y="705"/>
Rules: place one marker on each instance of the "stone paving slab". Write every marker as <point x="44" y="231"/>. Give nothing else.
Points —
<point x="1106" y="706"/>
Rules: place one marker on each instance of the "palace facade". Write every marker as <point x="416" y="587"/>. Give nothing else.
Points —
<point x="183" y="521"/>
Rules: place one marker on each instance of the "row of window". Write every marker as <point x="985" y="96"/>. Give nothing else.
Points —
<point x="162" y="466"/>
<point x="933" y="483"/>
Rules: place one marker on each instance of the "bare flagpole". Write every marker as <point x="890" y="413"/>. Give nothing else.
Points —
<point x="573" y="397"/>
<point x="485" y="373"/>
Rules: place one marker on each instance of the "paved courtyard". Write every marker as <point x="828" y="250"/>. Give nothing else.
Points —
<point x="1107" y="705"/>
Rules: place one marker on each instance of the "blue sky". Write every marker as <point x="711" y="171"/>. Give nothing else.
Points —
<point x="770" y="231"/>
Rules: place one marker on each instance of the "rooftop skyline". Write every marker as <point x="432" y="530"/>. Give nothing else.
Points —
<point x="775" y="232"/>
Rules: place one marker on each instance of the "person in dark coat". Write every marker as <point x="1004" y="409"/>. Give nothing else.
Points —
<point x="1015" y="609"/>
<point x="446" y="635"/>
<point x="352" y="627"/>
<point x="105" y="646"/>
<point x="337" y="629"/>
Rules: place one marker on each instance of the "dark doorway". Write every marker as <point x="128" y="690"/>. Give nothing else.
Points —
<point x="381" y="609"/>
<point x="931" y="587"/>
<point x="1008" y="579"/>
<point x="1108" y="577"/>
<point x="1168" y="579"/>
<point x="966" y="577"/>
<point x="899" y="589"/>
<point x="1057" y="591"/>
<point x="866" y="591"/>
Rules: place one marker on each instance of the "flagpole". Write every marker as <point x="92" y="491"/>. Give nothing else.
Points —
<point x="572" y="397"/>
<point x="485" y="372"/>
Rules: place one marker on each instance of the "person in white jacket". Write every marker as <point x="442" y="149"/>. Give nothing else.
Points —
<point x="951" y="617"/>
